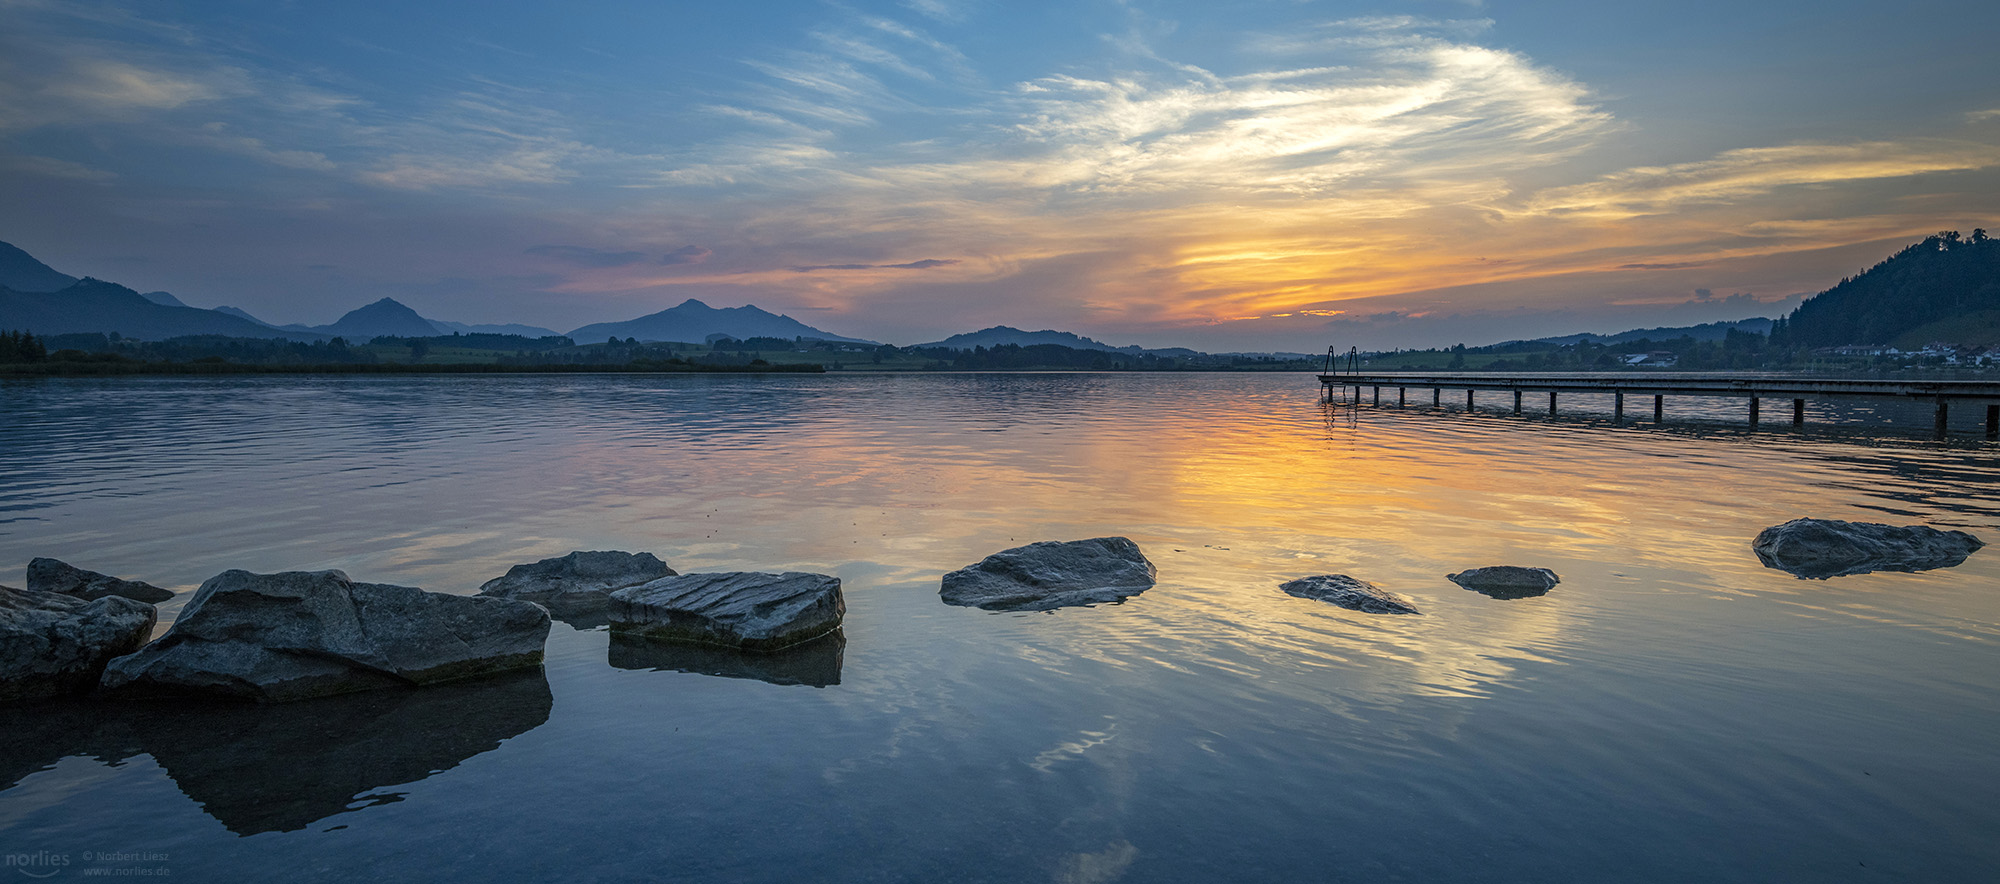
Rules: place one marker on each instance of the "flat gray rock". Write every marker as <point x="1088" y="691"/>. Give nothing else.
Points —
<point x="1821" y="548"/>
<point x="580" y="583"/>
<point x="748" y="610"/>
<point x="53" y="644"/>
<point x="299" y="634"/>
<point x="1052" y="574"/>
<point x="1347" y="592"/>
<point x="1507" y="581"/>
<point x="50" y="575"/>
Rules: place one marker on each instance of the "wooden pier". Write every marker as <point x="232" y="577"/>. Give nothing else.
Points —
<point x="1751" y="386"/>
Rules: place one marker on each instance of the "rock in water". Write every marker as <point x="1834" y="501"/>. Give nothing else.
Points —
<point x="1507" y="581"/>
<point x="299" y="634"/>
<point x="579" y="583"/>
<point x="1822" y="548"/>
<point x="50" y="575"/>
<point x="53" y="644"/>
<point x="1347" y="592"/>
<point x="739" y="609"/>
<point x="1052" y="574"/>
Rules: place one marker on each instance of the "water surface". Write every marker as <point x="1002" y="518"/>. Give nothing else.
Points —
<point x="1672" y="711"/>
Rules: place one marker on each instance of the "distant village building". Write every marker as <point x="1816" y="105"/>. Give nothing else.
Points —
<point x="1653" y="359"/>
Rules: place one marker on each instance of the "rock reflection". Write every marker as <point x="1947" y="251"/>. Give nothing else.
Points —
<point x="1507" y="591"/>
<point x="281" y="768"/>
<point x="34" y="736"/>
<point x="815" y="663"/>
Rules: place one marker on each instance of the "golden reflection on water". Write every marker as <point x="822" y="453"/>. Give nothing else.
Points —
<point x="1232" y="484"/>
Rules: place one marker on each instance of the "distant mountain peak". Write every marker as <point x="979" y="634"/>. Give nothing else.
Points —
<point x="693" y="321"/>
<point x="383" y="318"/>
<point x="999" y="335"/>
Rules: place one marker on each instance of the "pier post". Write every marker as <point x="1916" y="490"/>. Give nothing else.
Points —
<point x="1754" y="403"/>
<point x="1401" y="398"/>
<point x="1618" y="406"/>
<point x="1552" y="403"/>
<point x="1468" y="399"/>
<point x="1993" y="421"/>
<point x="1437" y="397"/>
<point x="1659" y="408"/>
<point x="1943" y="423"/>
<point x="1378" y="397"/>
<point x="1517" y="402"/>
<point x="1798" y="413"/>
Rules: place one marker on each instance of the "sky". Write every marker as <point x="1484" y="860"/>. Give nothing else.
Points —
<point x="1258" y="175"/>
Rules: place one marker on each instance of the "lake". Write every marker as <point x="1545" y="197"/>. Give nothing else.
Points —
<point x="1672" y="711"/>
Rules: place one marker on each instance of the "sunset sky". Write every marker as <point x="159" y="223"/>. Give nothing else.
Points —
<point x="1240" y="176"/>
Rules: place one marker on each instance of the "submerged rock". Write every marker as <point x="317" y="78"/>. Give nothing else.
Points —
<point x="1822" y="548"/>
<point x="1507" y="581"/>
<point x="1052" y="574"/>
<point x="748" y="610"/>
<point x="51" y="575"/>
<point x="577" y="584"/>
<point x="299" y="634"/>
<point x="1347" y="592"/>
<point x="53" y="644"/>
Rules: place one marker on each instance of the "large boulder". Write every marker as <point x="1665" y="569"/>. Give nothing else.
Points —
<point x="1822" y="548"/>
<point x="50" y="575"/>
<point x="748" y="610"/>
<point x="1052" y="574"/>
<point x="1348" y="592"/>
<point x="1507" y="581"/>
<point x="53" y="644"/>
<point x="577" y="584"/>
<point x="299" y="634"/>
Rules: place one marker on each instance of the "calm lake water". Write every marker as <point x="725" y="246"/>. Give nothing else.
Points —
<point x="1673" y="711"/>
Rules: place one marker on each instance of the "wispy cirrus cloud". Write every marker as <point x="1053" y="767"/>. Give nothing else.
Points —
<point x="687" y="255"/>
<point x="1736" y="175"/>
<point x="587" y="257"/>
<point x="924" y="264"/>
<point x="50" y="167"/>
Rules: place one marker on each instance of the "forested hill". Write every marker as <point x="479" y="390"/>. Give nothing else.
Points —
<point x="1944" y="279"/>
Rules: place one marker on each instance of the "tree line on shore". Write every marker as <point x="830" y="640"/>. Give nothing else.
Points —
<point x="1939" y="279"/>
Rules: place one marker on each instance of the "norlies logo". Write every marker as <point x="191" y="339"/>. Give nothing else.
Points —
<point x="40" y="864"/>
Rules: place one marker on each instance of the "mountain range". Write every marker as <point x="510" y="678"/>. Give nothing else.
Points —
<point x="1707" y="331"/>
<point x="93" y="305"/>
<point x="1943" y="288"/>
<point x="37" y="298"/>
